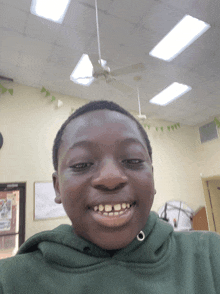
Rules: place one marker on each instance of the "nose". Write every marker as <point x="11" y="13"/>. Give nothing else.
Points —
<point x="110" y="176"/>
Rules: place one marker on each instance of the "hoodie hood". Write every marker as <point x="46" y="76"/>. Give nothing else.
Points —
<point x="63" y="247"/>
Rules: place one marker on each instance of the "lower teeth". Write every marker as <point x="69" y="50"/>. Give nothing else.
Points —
<point x="112" y="213"/>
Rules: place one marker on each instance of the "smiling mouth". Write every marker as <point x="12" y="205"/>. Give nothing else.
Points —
<point x="113" y="218"/>
<point x="110" y="209"/>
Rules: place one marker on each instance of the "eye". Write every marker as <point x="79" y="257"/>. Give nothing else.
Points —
<point x="134" y="161"/>
<point x="80" y="166"/>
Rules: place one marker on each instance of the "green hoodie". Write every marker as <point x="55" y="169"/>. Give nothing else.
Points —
<point x="169" y="262"/>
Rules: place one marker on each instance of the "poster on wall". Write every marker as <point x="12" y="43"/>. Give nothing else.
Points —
<point x="5" y="214"/>
<point x="45" y="206"/>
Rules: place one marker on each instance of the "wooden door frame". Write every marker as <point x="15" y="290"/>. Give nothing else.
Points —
<point x="209" y="211"/>
<point x="22" y="189"/>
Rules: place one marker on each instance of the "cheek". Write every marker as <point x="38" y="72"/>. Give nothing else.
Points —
<point x="144" y="181"/>
<point x="73" y="192"/>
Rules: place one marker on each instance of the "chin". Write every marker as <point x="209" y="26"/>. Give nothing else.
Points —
<point x="114" y="240"/>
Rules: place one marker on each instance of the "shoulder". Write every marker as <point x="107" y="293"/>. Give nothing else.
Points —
<point x="198" y="241"/>
<point x="16" y="271"/>
<point x="18" y="264"/>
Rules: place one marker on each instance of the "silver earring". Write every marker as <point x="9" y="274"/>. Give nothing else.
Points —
<point x="141" y="236"/>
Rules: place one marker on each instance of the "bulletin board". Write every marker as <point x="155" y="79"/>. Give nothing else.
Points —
<point x="44" y="204"/>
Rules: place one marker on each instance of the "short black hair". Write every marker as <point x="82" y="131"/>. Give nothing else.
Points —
<point x="92" y="106"/>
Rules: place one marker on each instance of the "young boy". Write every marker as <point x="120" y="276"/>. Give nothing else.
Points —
<point x="104" y="179"/>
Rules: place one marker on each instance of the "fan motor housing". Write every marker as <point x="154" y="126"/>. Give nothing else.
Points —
<point x="104" y="73"/>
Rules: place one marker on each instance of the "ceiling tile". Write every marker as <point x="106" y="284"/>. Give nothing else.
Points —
<point x="10" y="56"/>
<point x="10" y="46"/>
<point x="81" y="18"/>
<point x="162" y="18"/>
<point x="129" y="10"/>
<point x="73" y="39"/>
<point x="53" y="72"/>
<point x="64" y="56"/>
<point x="203" y="9"/>
<point x="213" y="86"/>
<point x="208" y="100"/>
<point x="116" y="37"/>
<point x="21" y="4"/>
<point x="41" y="29"/>
<point x="35" y="47"/>
<point x="210" y="67"/>
<point x="191" y="78"/>
<point x="10" y="39"/>
<point x="31" y="62"/>
<point x="30" y="77"/>
<point x="102" y="5"/>
<point x="12" y="18"/>
<point x="8" y="70"/>
<point x="181" y="4"/>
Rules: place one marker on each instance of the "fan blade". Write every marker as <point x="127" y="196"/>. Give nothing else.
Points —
<point x="120" y="86"/>
<point x="128" y="69"/>
<point x="94" y="58"/>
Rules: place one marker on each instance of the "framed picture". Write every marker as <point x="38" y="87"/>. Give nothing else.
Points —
<point x="45" y="206"/>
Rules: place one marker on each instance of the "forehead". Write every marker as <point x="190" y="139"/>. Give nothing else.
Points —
<point x="100" y="124"/>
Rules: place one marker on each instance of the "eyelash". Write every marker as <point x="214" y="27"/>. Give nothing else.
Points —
<point x="82" y="168"/>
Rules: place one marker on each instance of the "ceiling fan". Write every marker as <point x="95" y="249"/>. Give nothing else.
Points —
<point x="101" y="71"/>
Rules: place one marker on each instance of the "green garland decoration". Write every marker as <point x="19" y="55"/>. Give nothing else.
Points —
<point x="47" y="94"/>
<point x="175" y="126"/>
<point x="44" y="90"/>
<point x="5" y="89"/>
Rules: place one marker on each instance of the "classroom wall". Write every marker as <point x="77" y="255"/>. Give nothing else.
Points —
<point x="29" y="122"/>
<point x="208" y="157"/>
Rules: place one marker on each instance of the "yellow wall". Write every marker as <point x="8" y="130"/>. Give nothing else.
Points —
<point x="29" y="122"/>
<point x="208" y="157"/>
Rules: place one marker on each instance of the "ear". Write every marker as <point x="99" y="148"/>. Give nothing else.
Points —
<point x="56" y="187"/>
<point x="154" y="188"/>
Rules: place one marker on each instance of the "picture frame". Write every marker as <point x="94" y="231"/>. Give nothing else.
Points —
<point x="44" y="204"/>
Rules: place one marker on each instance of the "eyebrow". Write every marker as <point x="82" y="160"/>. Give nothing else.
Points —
<point x="88" y="144"/>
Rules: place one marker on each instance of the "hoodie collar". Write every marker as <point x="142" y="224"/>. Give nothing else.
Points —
<point x="63" y="246"/>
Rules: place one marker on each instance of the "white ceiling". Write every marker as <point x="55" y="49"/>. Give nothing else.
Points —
<point x="37" y="52"/>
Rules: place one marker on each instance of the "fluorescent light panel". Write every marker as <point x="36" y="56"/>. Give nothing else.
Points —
<point x="83" y="69"/>
<point x="82" y="73"/>
<point x="169" y="94"/>
<point x="179" y="38"/>
<point x="54" y="10"/>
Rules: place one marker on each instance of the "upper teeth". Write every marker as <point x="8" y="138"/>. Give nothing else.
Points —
<point x="109" y="207"/>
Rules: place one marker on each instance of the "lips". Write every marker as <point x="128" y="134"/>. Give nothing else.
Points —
<point x="111" y="219"/>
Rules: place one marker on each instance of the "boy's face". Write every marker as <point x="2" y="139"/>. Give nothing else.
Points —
<point x="104" y="173"/>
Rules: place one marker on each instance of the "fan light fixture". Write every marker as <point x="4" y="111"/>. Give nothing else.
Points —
<point x="174" y="91"/>
<point x="82" y="73"/>
<point x="53" y="10"/>
<point x="179" y="38"/>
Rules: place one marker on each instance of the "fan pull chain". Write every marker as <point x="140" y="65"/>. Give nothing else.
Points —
<point x="97" y="25"/>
